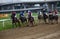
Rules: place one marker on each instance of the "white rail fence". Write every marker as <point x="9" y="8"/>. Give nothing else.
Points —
<point x="3" y="21"/>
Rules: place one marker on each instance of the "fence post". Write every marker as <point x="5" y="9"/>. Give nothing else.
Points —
<point x="3" y="23"/>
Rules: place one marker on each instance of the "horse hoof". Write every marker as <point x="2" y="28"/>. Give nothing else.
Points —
<point x="56" y="23"/>
<point x="27" y="25"/>
<point x="46" y="23"/>
<point x="32" y="25"/>
<point x="52" y="23"/>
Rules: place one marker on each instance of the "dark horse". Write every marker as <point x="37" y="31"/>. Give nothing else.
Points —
<point x="31" y="20"/>
<point x="55" y="18"/>
<point x="45" y="18"/>
<point x="15" y="20"/>
<point x="51" y="17"/>
<point x="23" y="19"/>
<point x="39" y="18"/>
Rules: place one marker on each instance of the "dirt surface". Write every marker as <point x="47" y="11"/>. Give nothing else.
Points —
<point x="36" y="32"/>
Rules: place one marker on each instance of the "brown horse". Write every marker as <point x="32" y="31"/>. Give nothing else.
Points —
<point x="31" y="20"/>
<point x="55" y="19"/>
<point x="56" y="16"/>
<point x="23" y="19"/>
<point x="15" y="20"/>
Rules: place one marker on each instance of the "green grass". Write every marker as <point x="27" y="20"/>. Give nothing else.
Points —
<point x="8" y="24"/>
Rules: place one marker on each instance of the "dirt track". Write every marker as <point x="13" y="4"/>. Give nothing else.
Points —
<point x="35" y="32"/>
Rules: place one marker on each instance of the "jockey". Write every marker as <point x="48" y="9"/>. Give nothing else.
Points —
<point x="55" y="12"/>
<point x="21" y="14"/>
<point x="40" y="13"/>
<point x="44" y="11"/>
<point x="50" y="13"/>
<point x="29" y="13"/>
<point x="14" y="14"/>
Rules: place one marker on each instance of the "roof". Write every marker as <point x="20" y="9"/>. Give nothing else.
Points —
<point x="3" y="2"/>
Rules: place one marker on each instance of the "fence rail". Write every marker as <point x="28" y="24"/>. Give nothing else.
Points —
<point x="3" y="20"/>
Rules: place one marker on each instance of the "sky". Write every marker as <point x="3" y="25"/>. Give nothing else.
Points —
<point x="12" y="1"/>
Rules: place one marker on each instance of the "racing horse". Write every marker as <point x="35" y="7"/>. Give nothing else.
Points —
<point x="15" y="20"/>
<point x="40" y="16"/>
<point x="55" y="16"/>
<point x="23" y="19"/>
<point x="31" y="20"/>
<point x="45" y="15"/>
<point x="51" y="17"/>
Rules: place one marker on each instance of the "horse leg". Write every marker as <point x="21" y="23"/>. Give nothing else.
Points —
<point x="56" y="21"/>
<point x="32" y="23"/>
<point x="29" y="23"/>
<point x="15" y="24"/>
<point x="51" y="21"/>
<point x="19" y="23"/>
<point x="39" y="21"/>
<point x="26" y="20"/>
<point x="45" y="20"/>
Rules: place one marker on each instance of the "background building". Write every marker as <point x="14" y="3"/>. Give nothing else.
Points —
<point x="24" y="5"/>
